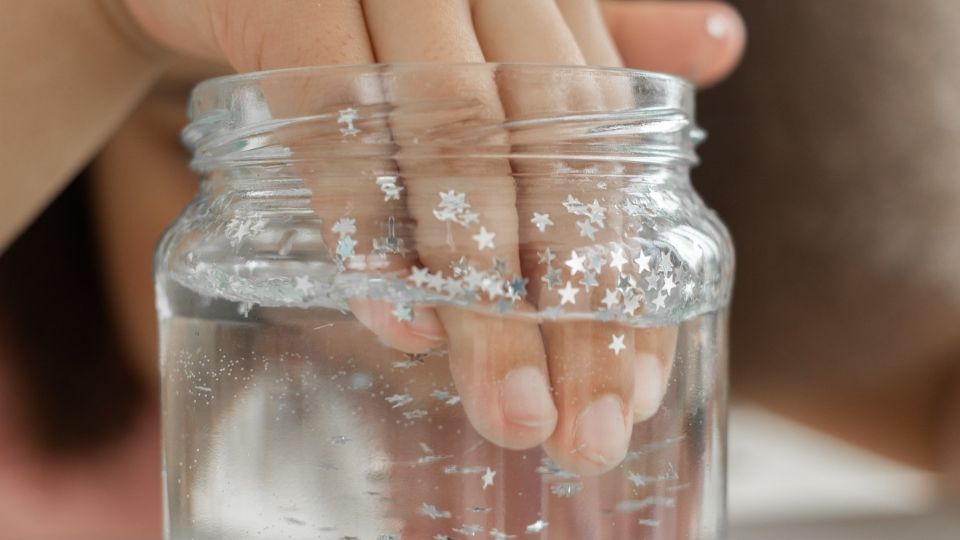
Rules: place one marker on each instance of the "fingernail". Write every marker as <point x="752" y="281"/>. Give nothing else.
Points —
<point x="602" y="432"/>
<point x="526" y="399"/>
<point x="427" y="325"/>
<point x="648" y="387"/>
<point x="719" y="25"/>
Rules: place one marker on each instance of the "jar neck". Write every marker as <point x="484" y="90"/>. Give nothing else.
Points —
<point x="349" y="120"/>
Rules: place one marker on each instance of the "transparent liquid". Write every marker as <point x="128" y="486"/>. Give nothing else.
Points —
<point x="296" y="423"/>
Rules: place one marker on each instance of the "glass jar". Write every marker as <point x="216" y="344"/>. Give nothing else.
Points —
<point x="444" y="301"/>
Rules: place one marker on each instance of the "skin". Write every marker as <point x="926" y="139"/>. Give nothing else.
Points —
<point x="143" y="41"/>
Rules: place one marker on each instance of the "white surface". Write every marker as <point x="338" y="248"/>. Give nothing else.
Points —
<point x="781" y="471"/>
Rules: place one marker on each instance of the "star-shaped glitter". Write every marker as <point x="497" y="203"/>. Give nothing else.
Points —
<point x="596" y="212"/>
<point x="537" y="526"/>
<point x="474" y="279"/>
<point x="575" y="262"/>
<point x="617" y="260"/>
<point x="419" y="276"/>
<point x="388" y="185"/>
<point x="586" y="229"/>
<point x="551" y="278"/>
<point x="589" y="280"/>
<point x="347" y="116"/>
<point x="500" y="265"/>
<point x="631" y="303"/>
<point x="453" y="200"/>
<point x="688" y="290"/>
<point x="345" y="247"/>
<point x="668" y="284"/>
<point x="468" y="218"/>
<point x="616" y="344"/>
<point x="625" y="282"/>
<point x="403" y="312"/>
<point x="469" y="530"/>
<point x="345" y="226"/>
<point x="436" y="281"/>
<point x="517" y="288"/>
<point x="652" y="281"/>
<point x="545" y="257"/>
<point x="595" y="259"/>
<point x="542" y="221"/>
<point x="484" y="239"/>
<point x="493" y="287"/>
<point x="611" y="298"/>
<point x="432" y="512"/>
<point x="568" y="294"/>
<point x="304" y="286"/>
<point x="643" y="262"/>
<point x="666" y="265"/>
<point x="660" y="301"/>
<point x="488" y="477"/>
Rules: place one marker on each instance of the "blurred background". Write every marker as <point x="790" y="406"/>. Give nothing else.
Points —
<point x="833" y="158"/>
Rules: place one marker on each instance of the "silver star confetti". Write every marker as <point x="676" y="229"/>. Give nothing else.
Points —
<point x="616" y="345"/>
<point x="589" y="281"/>
<point x="346" y="247"/>
<point x="566" y="489"/>
<point x="304" y="286"/>
<point x="568" y="294"/>
<point x="660" y="301"/>
<point x="484" y="239"/>
<point x="419" y="276"/>
<point x="388" y="185"/>
<point x="537" y="526"/>
<point x="403" y="312"/>
<point x="517" y="288"/>
<point x="347" y="117"/>
<point x="668" y="284"/>
<point x="587" y="230"/>
<point x="688" y="291"/>
<point x="575" y="262"/>
<point x="642" y="262"/>
<point x="542" y="221"/>
<point x="488" y="477"/>
<point x="469" y="530"/>
<point x="611" y="298"/>
<point x="453" y="207"/>
<point x="432" y="512"/>
<point x="551" y="278"/>
<point x="399" y="400"/>
<point x="617" y="260"/>
<point x="545" y="257"/>
<point x="345" y="226"/>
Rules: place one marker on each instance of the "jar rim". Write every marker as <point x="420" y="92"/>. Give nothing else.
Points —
<point x="640" y="74"/>
<point x="649" y="120"/>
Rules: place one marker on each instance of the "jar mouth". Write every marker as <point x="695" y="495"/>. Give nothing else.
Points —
<point x="549" y="112"/>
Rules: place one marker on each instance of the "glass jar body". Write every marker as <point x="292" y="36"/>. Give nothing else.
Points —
<point x="287" y="415"/>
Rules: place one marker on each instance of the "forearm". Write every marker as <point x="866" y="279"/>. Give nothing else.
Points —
<point x="69" y="76"/>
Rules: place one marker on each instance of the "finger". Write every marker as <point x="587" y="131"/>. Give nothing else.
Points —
<point x="654" y="352"/>
<point x="701" y="41"/>
<point x="498" y="365"/>
<point x="585" y="20"/>
<point x="253" y="35"/>
<point x="358" y="215"/>
<point x="592" y="384"/>
<point x="654" y="347"/>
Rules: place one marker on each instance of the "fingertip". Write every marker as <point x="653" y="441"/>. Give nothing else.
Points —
<point x="724" y="26"/>
<point x="648" y="387"/>
<point x="526" y="401"/>
<point x="421" y="334"/>
<point x="700" y="41"/>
